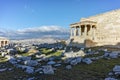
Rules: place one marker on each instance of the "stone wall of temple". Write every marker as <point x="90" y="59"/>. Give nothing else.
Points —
<point x="107" y="29"/>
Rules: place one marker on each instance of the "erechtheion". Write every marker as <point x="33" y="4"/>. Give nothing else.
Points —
<point x="98" y="30"/>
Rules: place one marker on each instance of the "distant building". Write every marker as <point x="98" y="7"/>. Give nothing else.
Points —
<point x="98" y="30"/>
<point x="3" y="41"/>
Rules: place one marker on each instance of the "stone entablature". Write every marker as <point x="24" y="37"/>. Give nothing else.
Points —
<point x="102" y="29"/>
<point x="83" y="23"/>
<point x="3" y="41"/>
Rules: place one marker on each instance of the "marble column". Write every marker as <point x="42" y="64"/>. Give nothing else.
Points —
<point x="3" y="43"/>
<point x="85" y="30"/>
<point x="80" y="30"/>
<point x="91" y="30"/>
<point x="75" y="31"/>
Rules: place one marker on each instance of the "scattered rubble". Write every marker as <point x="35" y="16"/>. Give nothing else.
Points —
<point x="1" y="70"/>
<point x="48" y="69"/>
<point x="29" y="69"/>
<point x="31" y="63"/>
<point x="57" y="65"/>
<point x="116" y="68"/>
<point x="42" y="64"/>
<point x="68" y="67"/>
<point x="74" y="54"/>
<point x="51" y="63"/>
<point x="113" y="55"/>
<point x="110" y="79"/>
<point x="32" y="78"/>
<point x="75" y="61"/>
<point x="87" y="60"/>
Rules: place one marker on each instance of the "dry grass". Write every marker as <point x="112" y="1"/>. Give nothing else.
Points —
<point x="98" y="70"/>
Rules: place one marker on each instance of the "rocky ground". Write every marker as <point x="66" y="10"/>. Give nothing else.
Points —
<point x="84" y="64"/>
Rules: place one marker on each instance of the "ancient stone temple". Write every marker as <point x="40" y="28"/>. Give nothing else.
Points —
<point x="98" y="30"/>
<point x="3" y="41"/>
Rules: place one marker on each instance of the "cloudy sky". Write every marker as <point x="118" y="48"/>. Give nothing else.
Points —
<point x="46" y="18"/>
<point x="36" y="32"/>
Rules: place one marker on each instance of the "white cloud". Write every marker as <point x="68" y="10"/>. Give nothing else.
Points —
<point x="37" y="32"/>
<point x="42" y="29"/>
